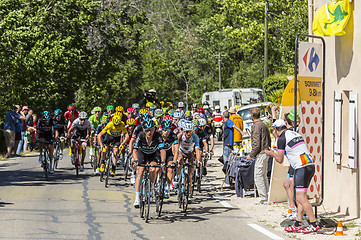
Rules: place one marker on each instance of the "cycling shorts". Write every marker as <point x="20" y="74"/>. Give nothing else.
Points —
<point x="303" y="177"/>
<point x="291" y="172"/>
<point x="189" y="157"/>
<point x="79" y="134"/>
<point x="109" y="139"/>
<point x="61" y="132"/>
<point x="47" y="136"/>
<point x="148" y="158"/>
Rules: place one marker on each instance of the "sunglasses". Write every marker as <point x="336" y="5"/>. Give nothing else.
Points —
<point x="166" y="130"/>
<point x="148" y="130"/>
<point x="188" y="131"/>
<point x="97" y="111"/>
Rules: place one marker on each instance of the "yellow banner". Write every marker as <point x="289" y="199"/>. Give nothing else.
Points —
<point x="310" y="88"/>
<point x="289" y="94"/>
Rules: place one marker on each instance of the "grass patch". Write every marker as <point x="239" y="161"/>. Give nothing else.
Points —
<point x="351" y="225"/>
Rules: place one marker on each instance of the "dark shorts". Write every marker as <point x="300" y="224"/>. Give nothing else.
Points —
<point x="79" y="134"/>
<point x="109" y="139"/>
<point x="291" y="172"/>
<point x="17" y="136"/>
<point x="61" y="132"/>
<point x="148" y="158"/>
<point x="47" y="136"/>
<point x="187" y="157"/>
<point x="303" y="177"/>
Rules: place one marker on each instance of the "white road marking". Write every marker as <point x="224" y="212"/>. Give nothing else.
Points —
<point x="265" y="232"/>
<point x="224" y="203"/>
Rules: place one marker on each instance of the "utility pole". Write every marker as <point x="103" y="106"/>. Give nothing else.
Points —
<point x="219" y="68"/>
<point x="266" y="39"/>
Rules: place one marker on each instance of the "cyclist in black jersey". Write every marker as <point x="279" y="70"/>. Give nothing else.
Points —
<point x="45" y="135"/>
<point x="60" y="129"/>
<point x="170" y="141"/>
<point x="148" y="148"/>
<point x="203" y="142"/>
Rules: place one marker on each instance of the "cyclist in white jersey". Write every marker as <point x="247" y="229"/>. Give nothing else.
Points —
<point x="292" y="145"/>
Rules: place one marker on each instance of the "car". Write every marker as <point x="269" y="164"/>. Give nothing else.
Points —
<point x="245" y="113"/>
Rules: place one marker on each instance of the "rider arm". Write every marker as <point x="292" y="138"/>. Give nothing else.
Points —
<point x="175" y="148"/>
<point x="100" y="139"/>
<point x="163" y="155"/>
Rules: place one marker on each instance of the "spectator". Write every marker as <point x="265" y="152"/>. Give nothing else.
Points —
<point x="30" y="127"/>
<point x="260" y="141"/>
<point x="228" y="133"/>
<point x="238" y="121"/>
<point x="25" y="111"/>
<point x="9" y="129"/>
<point x="292" y="144"/>
<point x="17" y="131"/>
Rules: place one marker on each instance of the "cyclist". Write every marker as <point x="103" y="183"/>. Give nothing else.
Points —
<point x="158" y="115"/>
<point x="181" y="109"/>
<point x="127" y="137"/>
<point x="194" y="110"/>
<point x="210" y="133"/>
<point x="176" y="118"/>
<point x="81" y="133"/>
<point x="208" y="110"/>
<point x="45" y="135"/>
<point x="148" y="148"/>
<point x="201" y="113"/>
<point x="170" y="141"/>
<point x="121" y="110"/>
<point x="135" y="106"/>
<point x="218" y="110"/>
<point x="71" y="115"/>
<point x="188" y="143"/>
<point x="95" y="122"/>
<point x="60" y="129"/>
<point x="104" y="121"/>
<point x="113" y="131"/>
<point x="149" y="97"/>
<point x="203" y="143"/>
<point x="110" y="112"/>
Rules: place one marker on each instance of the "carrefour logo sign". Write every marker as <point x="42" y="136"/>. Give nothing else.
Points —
<point x="310" y="59"/>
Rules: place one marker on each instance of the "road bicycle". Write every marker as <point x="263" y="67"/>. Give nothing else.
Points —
<point x="108" y="163"/>
<point x="146" y="192"/>
<point x="45" y="163"/>
<point x="76" y="155"/>
<point x="184" y="190"/>
<point x="57" y="150"/>
<point x="127" y="165"/>
<point x="94" y="157"/>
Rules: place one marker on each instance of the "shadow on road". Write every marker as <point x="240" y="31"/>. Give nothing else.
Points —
<point x="3" y="204"/>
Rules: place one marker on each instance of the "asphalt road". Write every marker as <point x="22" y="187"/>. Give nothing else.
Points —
<point x="66" y="207"/>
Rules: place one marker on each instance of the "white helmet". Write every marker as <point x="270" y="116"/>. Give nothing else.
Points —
<point x="181" y="104"/>
<point x="217" y="107"/>
<point x="188" y="126"/>
<point x="181" y="123"/>
<point x="177" y="115"/>
<point x="202" y="122"/>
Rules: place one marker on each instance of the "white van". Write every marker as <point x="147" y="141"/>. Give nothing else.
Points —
<point x="232" y="97"/>
<point x="245" y="113"/>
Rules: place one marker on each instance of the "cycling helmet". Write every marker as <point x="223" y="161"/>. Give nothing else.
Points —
<point x="188" y="126"/>
<point x="110" y="108"/>
<point x="209" y="120"/>
<point x="46" y="115"/>
<point x="71" y="107"/>
<point x="152" y="91"/>
<point x="116" y="119"/>
<point x="205" y="103"/>
<point x="145" y="116"/>
<point x="152" y="108"/>
<point x="130" y="110"/>
<point x="195" y="123"/>
<point x="217" y="107"/>
<point x="168" y="117"/>
<point x="166" y="124"/>
<point x="177" y="115"/>
<point x="119" y="109"/>
<point x="148" y="123"/>
<point x="120" y="114"/>
<point x="130" y="121"/>
<point x="194" y="105"/>
<point x="202" y="122"/>
<point x="149" y="104"/>
<point x="57" y="112"/>
<point x="158" y="113"/>
<point x="104" y="119"/>
<point x="201" y="110"/>
<point x="205" y="107"/>
<point x="97" y="109"/>
<point x="135" y="105"/>
<point x="142" y="111"/>
<point x="181" y="104"/>
<point x="181" y="123"/>
<point x="83" y="115"/>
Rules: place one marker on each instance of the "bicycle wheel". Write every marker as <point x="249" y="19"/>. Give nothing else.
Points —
<point x="45" y="165"/>
<point x="199" y="178"/>
<point x="127" y="167"/>
<point x="163" y="182"/>
<point x="107" y="169"/>
<point x="158" y="193"/>
<point x="147" y="200"/>
<point x="76" y="161"/>
<point x="94" y="159"/>
<point x="194" y="181"/>
<point x="180" y="191"/>
<point x="186" y="193"/>
<point x="142" y="198"/>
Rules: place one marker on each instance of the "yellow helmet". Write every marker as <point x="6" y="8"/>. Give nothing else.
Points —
<point x="119" y="109"/>
<point x="149" y="104"/>
<point x="131" y="121"/>
<point x="116" y="119"/>
<point x="120" y="114"/>
<point x="143" y="111"/>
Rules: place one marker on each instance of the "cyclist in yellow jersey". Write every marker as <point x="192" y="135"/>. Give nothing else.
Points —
<point x="113" y="130"/>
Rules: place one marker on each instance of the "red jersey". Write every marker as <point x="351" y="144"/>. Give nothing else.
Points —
<point x="70" y="118"/>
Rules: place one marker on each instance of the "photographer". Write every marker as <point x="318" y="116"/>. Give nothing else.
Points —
<point x="150" y="96"/>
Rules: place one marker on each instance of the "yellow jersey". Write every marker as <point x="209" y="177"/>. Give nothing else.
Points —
<point x="115" y="131"/>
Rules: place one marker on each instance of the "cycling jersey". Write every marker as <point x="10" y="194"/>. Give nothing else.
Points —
<point x="209" y="132"/>
<point x="94" y="121"/>
<point x="187" y="146"/>
<point x="115" y="131"/>
<point x="61" y="123"/>
<point x="142" y="145"/>
<point x="79" y="126"/>
<point x="171" y="139"/>
<point x="43" y="127"/>
<point x="295" y="149"/>
<point x="202" y="138"/>
<point x="138" y="129"/>
<point x="70" y="118"/>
